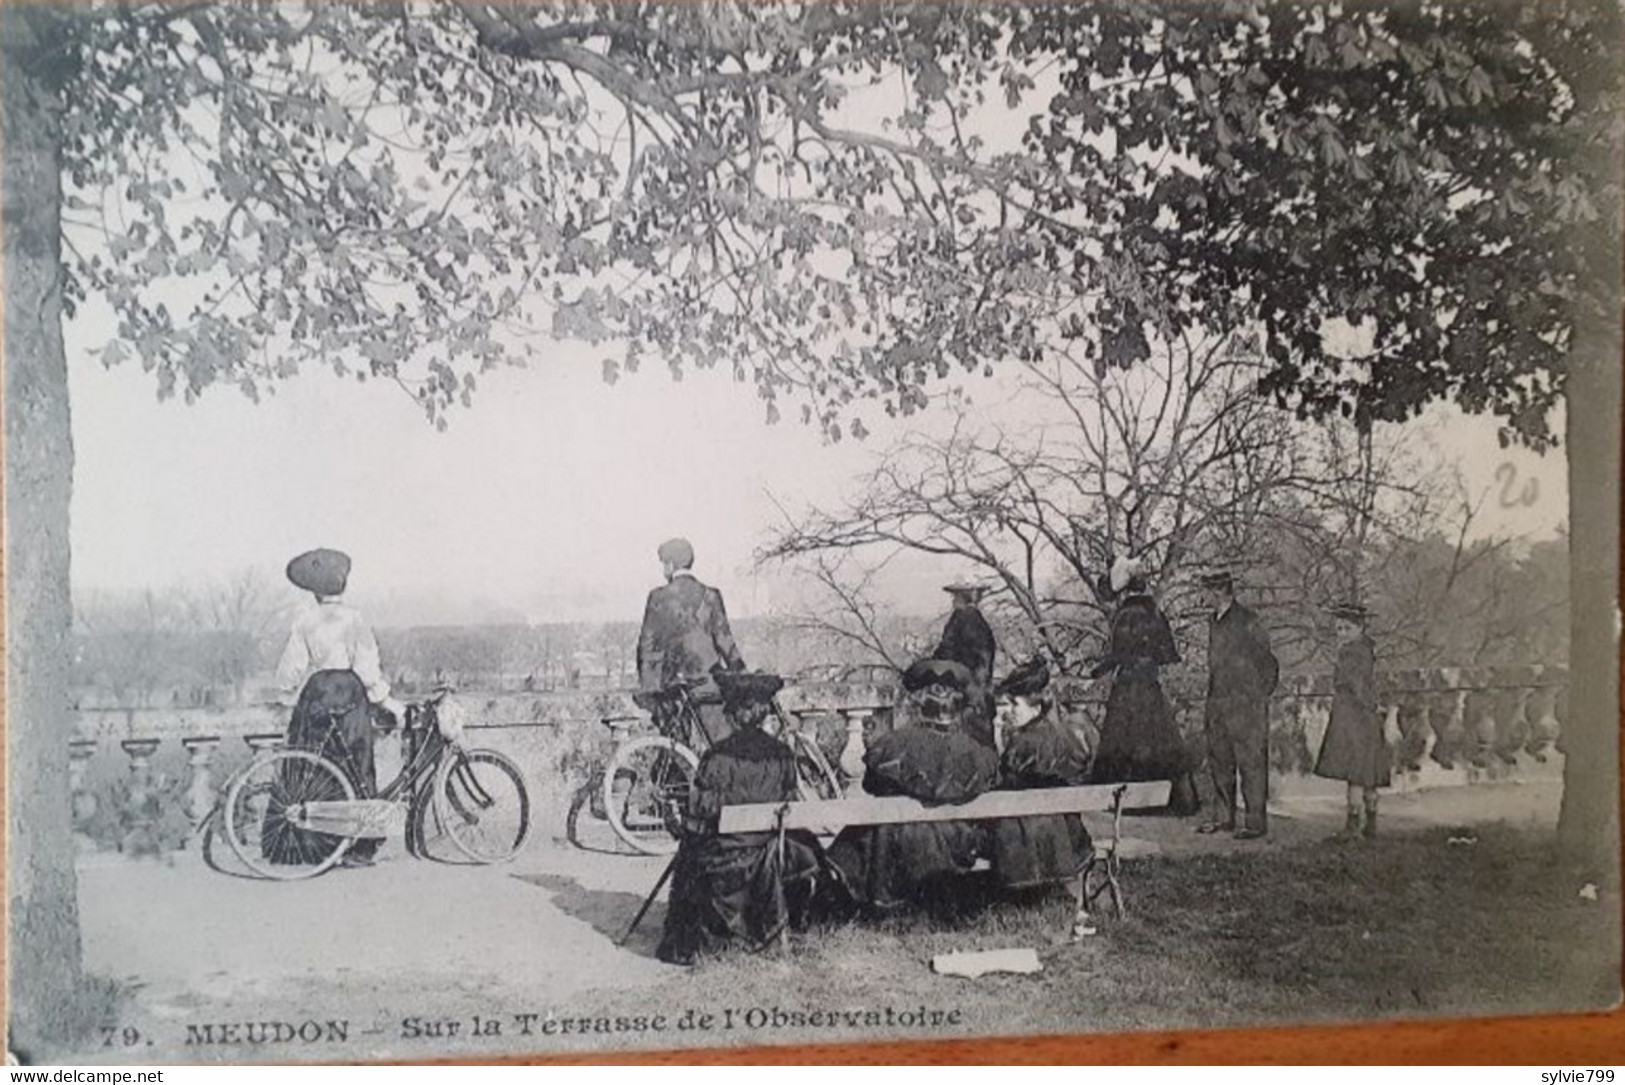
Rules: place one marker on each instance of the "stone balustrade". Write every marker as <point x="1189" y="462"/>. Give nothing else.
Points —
<point x="1455" y="716"/>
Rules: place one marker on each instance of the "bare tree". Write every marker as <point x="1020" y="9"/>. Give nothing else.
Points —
<point x="851" y="618"/>
<point x="124" y="649"/>
<point x="1364" y="523"/>
<point x="235" y="623"/>
<point x="1179" y="462"/>
<point x="1104" y="461"/>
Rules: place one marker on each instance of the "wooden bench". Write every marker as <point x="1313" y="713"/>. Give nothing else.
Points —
<point x="1100" y="875"/>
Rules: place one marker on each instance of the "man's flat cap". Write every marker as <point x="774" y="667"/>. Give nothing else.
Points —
<point x="680" y="552"/>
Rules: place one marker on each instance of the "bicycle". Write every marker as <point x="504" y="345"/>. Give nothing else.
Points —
<point x="294" y="813"/>
<point x="643" y="789"/>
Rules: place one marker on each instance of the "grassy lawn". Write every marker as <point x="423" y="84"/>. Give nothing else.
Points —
<point x="1405" y="926"/>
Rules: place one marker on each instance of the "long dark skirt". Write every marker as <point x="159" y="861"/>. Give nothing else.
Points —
<point x="890" y="866"/>
<point x="332" y="718"/>
<point x="737" y="889"/>
<point x="1140" y="741"/>
<point x="1046" y="849"/>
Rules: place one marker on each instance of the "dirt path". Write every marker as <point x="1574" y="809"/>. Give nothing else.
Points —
<point x="381" y="953"/>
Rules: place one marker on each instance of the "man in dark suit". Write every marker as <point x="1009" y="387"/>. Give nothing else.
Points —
<point x="968" y="640"/>
<point x="1242" y="673"/>
<point x="686" y="636"/>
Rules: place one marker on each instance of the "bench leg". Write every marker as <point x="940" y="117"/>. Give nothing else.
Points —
<point x="1116" y="888"/>
<point x="1104" y="872"/>
<point x="1083" y="924"/>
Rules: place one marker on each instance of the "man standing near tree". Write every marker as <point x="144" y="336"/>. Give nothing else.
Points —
<point x="686" y="636"/>
<point x="1242" y="673"/>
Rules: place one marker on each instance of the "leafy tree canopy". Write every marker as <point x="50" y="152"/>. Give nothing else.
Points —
<point x="820" y="195"/>
<point x="1443" y="177"/>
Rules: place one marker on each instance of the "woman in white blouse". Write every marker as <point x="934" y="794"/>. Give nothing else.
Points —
<point x="331" y="663"/>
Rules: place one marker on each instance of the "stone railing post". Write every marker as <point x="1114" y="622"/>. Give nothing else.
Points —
<point x="260" y="744"/>
<point x="1297" y="711"/>
<point x="200" y="788"/>
<point x="141" y="837"/>
<point x="806" y="725"/>
<point x="852" y="752"/>
<point x="84" y="802"/>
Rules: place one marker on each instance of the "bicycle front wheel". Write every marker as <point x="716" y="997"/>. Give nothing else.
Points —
<point x="646" y="791"/>
<point x="263" y="804"/>
<point x="481" y="803"/>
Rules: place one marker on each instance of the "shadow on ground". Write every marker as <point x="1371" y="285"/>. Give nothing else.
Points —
<point x="607" y="911"/>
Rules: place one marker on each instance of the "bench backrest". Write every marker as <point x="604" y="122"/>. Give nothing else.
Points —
<point x="863" y="809"/>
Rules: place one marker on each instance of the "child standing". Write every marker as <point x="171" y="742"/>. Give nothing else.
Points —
<point x="1354" y="749"/>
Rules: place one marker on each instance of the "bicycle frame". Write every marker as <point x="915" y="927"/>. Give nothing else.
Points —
<point x="425" y="747"/>
<point x="676" y="715"/>
<point x="370" y="818"/>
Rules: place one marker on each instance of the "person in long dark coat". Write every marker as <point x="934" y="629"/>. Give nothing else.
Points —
<point x="1354" y="749"/>
<point x="1043" y="849"/>
<point x="685" y="636"/>
<point x="1139" y="739"/>
<point x="740" y="889"/>
<point x="935" y="760"/>
<point x="1242" y="673"/>
<point x="967" y="639"/>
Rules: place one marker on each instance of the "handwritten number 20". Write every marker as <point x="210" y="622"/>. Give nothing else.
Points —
<point x="1508" y="476"/>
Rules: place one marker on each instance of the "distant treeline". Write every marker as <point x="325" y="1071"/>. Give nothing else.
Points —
<point x="1434" y="604"/>
<point x="152" y="664"/>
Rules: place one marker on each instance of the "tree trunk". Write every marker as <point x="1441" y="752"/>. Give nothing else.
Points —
<point x="43" y="957"/>
<point x="1588" y="826"/>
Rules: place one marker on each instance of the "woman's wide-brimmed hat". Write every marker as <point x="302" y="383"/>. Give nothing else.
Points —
<point x="971" y="591"/>
<point x="742" y="688"/>
<point x="1219" y="581"/>
<point x="1028" y="680"/>
<point x="925" y="673"/>
<point x="1352" y="612"/>
<point x="322" y="571"/>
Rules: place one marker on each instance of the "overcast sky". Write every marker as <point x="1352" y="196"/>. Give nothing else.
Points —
<point x="546" y="500"/>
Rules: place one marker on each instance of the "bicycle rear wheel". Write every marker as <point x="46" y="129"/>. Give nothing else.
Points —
<point x="815" y="779"/>
<point x="646" y="791"/>
<point x="481" y="802"/>
<point x="262" y="804"/>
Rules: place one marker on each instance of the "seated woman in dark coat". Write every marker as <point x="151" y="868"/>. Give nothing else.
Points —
<point x="739" y="888"/>
<point x="1139" y="739"/>
<point x="1044" y="849"/>
<point x="935" y="761"/>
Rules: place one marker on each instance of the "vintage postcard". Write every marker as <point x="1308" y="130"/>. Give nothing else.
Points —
<point x="584" y="527"/>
